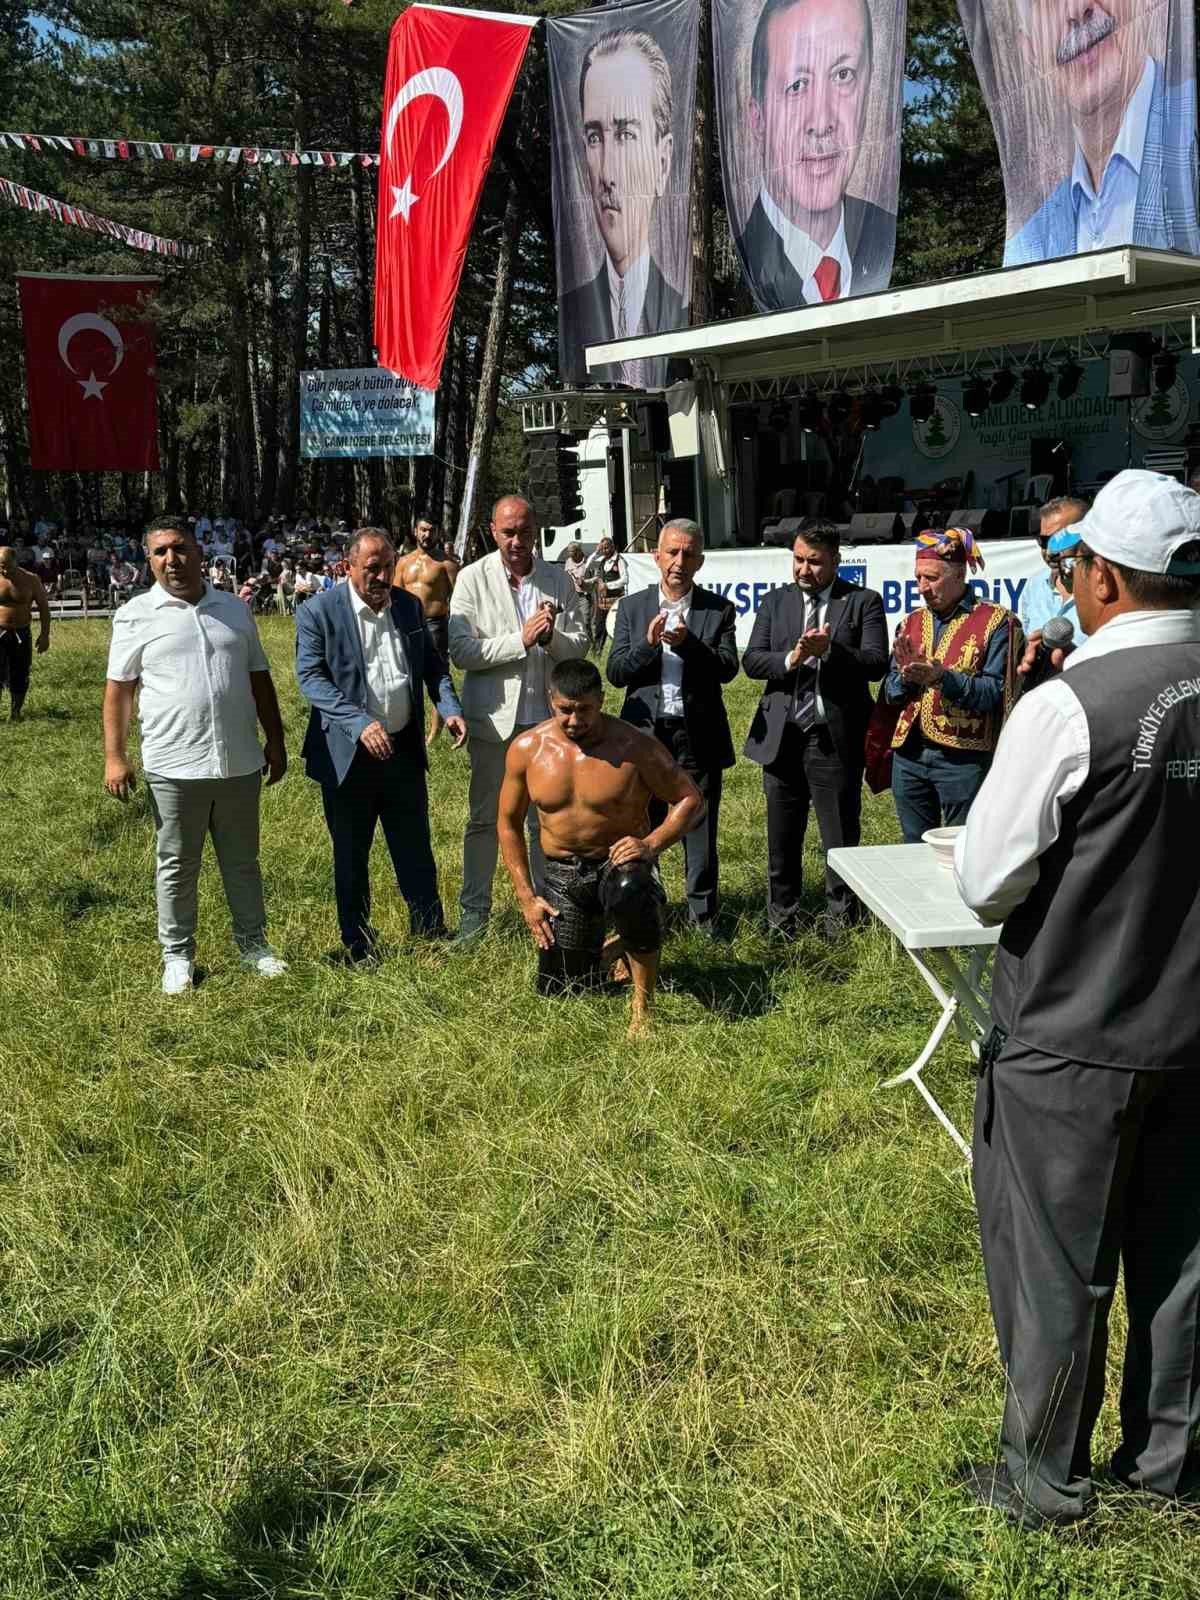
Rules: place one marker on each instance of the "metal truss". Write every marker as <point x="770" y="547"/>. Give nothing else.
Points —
<point x="1179" y="337"/>
<point x="577" y="410"/>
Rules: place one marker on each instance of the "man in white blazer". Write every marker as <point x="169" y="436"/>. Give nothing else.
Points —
<point x="512" y="616"/>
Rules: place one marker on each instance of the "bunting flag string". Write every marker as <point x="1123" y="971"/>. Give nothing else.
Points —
<point x="75" y="216"/>
<point x="144" y="150"/>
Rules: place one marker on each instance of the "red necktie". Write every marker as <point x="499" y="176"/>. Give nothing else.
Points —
<point x="828" y="278"/>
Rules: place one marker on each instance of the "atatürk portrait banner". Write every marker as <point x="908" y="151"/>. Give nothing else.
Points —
<point x="623" y="98"/>
<point x="1094" y="109"/>
<point x="809" y="108"/>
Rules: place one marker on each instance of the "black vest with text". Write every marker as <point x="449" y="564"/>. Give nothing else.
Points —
<point x="1101" y="963"/>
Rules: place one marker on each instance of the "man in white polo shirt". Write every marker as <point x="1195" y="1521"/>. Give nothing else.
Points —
<point x="205" y="687"/>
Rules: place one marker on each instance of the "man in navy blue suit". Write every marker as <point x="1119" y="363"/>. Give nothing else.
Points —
<point x="363" y="650"/>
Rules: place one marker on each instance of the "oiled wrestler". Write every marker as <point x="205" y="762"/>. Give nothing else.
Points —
<point x="592" y="778"/>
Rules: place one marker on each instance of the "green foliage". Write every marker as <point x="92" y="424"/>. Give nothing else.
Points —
<point x="408" y="1284"/>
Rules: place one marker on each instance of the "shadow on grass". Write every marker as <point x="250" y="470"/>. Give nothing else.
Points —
<point x="75" y="900"/>
<point x="735" y="990"/>
<point x="80" y="1556"/>
<point x="22" y="1353"/>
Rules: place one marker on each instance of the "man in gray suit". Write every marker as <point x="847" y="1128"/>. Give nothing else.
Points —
<point x="806" y="240"/>
<point x="625" y="106"/>
<point x="1133" y="171"/>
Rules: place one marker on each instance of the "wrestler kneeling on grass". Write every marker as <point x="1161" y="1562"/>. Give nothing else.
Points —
<point x="592" y="778"/>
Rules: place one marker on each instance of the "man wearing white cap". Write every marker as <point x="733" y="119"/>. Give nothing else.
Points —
<point x="1083" y="843"/>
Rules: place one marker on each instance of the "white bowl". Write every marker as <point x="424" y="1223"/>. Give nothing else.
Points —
<point x="941" y="842"/>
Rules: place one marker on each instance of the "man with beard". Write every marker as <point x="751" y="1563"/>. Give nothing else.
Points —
<point x="1132" y="178"/>
<point x="592" y="779"/>
<point x="428" y="574"/>
<point x="806" y="240"/>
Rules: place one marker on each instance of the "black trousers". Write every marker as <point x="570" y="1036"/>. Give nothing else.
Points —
<point x="808" y="772"/>
<point x="393" y="793"/>
<point x="16" y="660"/>
<point x="700" y="859"/>
<point x="1077" y="1169"/>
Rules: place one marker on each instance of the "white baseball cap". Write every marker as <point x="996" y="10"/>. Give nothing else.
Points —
<point x="1139" y="519"/>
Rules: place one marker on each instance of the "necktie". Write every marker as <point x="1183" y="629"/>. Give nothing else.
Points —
<point x="631" y="371"/>
<point x="828" y="278"/>
<point x="804" y="696"/>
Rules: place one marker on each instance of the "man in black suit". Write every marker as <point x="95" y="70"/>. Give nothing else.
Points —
<point x="625" y="105"/>
<point x="806" y="240"/>
<point x="819" y="643"/>
<point x="364" y="653"/>
<point x="673" y="648"/>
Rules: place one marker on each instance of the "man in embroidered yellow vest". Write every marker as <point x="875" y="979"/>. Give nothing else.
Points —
<point x="953" y="675"/>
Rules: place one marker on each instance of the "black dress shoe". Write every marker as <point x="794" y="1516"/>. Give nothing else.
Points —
<point x="990" y="1484"/>
<point x="1187" y="1495"/>
<point x="352" y="956"/>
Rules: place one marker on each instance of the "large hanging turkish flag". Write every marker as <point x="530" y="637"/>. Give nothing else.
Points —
<point x="450" y="76"/>
<point x="89" y="363"/>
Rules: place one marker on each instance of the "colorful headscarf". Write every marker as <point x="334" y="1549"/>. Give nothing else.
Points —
<point x="950" y="544"/>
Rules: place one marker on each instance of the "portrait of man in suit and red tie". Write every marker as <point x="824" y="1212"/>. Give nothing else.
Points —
<point x="808" y="93"/>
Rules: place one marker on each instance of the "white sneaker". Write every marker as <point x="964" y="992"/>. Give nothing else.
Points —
<point x="177" y="975"/>
<point x="263" y="960"/>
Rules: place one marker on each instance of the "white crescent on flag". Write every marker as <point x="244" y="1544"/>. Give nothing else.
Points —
<point x="444" y="86"/>
<point x="92" y="387"/>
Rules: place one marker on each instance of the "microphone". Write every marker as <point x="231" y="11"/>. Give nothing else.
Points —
<point x="1057" y="634"/>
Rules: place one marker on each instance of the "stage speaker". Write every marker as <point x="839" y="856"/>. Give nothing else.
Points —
<point x="653" y="427"/>
<point x="1129" y="366"/>
<point x="968" y="517"/>
<point x="872" y="527"/>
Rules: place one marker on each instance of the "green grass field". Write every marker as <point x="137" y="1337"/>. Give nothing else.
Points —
<point x="404" y="1283"/>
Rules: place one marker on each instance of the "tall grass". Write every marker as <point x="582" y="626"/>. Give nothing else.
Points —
<point x="406" y="1283"/>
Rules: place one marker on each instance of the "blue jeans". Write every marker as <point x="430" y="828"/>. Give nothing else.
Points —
<point x="933" y="787"/>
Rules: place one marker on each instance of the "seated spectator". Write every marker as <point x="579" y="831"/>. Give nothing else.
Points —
<point x="122" y="576"/>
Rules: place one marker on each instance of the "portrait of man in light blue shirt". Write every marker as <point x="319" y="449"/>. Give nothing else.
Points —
<point x="1125" y="78"/>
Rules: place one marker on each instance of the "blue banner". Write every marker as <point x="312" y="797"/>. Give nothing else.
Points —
<point x="363" y="411"/>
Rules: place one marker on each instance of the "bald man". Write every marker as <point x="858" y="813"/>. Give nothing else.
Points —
<point x="512" y="616"/>
<point x="20" y="591"/>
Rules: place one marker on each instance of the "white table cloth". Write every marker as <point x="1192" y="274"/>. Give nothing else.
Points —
<point x="907" y="889"/>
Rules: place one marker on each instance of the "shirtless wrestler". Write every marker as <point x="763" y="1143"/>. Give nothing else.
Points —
<point x="20" y="591"/>
<point x="592" y="778"/>
<point x="429" y="574"/>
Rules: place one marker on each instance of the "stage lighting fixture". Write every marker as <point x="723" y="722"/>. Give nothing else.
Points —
<point x="1070" y="376"/>
<point x="976" y="396"/>
<point x="812" y="413"/>
<point x="891" y="398"/>
<point x="870" y="409"/>
<point x="922" y="402"/>
<point x="839" y="406"/>
<point x="1164" y="370"/>
<point x="1002" y="386"/>
<point x="1035" y="388"/>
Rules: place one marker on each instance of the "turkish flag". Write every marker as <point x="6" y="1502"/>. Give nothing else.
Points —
<point x="89" y="363"/>
<point x="450" y="76"/>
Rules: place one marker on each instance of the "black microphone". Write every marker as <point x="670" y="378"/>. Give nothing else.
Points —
<point x="1057" y="634"/>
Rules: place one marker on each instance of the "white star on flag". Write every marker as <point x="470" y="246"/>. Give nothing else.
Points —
<point x="403" y="200"/>
<point x="92" y="387"/>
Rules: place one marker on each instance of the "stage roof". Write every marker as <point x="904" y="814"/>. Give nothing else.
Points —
<point x="1079" y="295"/>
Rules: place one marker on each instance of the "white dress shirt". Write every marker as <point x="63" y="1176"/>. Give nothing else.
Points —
<point x="670" y="693"/>
<point x="1106" y="218"/>
<point x="194" y="662"/>
<point x="813" y="664"/>
<point x="533" y="705"/>
<point x="805" y="254"/>
<point x="1041" y="762"/>
<point x="389" y="681"/>
<point x="634" y="283"/>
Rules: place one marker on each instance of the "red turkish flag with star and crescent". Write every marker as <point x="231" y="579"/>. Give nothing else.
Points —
<point x="89" y="364"/>
<point x="450" y="76"/>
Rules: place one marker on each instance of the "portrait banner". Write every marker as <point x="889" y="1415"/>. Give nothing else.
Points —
<point x="1094" y="112"/>
<point x="358" y="412"/>
<point x="623" y="100"/>
<point x="809" y="111"/>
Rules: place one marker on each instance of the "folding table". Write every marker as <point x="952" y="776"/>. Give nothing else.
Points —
<point x="919" y="901"/>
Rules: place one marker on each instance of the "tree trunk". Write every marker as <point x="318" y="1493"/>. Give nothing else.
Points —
<point x="239" y="496"/>
<point x="456" y="438"/>
<point x="492" y="367"/>
<point x="290" y="462"/>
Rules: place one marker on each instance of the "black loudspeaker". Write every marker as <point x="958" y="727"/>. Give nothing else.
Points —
<point x="1129" y="366"/>
<point x="653" y="428"/>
